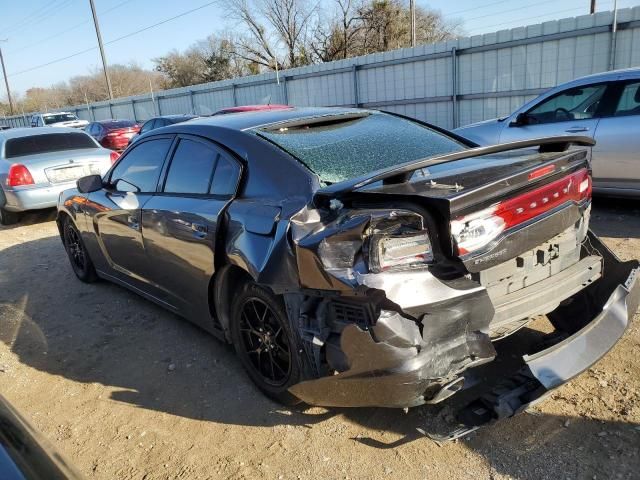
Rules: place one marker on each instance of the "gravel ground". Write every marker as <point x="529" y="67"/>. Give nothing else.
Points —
<point x="127" y="390"/>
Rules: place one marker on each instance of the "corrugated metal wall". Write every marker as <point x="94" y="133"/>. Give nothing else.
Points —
<point x="449" y="84"/>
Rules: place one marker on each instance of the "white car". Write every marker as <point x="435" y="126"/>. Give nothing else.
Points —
<point x="57" y="119"/>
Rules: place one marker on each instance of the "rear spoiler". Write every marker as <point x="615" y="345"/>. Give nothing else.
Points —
<point x="401" y="173"/>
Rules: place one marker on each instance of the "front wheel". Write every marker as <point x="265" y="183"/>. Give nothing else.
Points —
<point x="77" y="252"/>
<point x="263" y="340"/>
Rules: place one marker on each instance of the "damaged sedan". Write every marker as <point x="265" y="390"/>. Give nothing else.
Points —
<point x="360" y="258"/>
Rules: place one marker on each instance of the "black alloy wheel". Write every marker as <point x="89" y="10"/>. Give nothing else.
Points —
<point x="265" y="343"/>
<point x="78" y="255"/>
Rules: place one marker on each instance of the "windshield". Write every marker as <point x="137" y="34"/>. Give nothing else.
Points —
<point x="60" y="117"/>
<point x="340" y="147"/>
<point x="53" y="142"/>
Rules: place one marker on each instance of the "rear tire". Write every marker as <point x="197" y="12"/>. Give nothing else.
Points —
<point x="78" y="256"/>
<point x="8" y="218"/>
<point x="265" y="344"/>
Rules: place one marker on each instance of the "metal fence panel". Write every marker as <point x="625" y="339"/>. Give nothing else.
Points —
<point x="449" y="84"/>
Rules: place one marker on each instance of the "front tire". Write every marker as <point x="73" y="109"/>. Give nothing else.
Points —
<point x="78" y="256"/>
<point x="263" y="340"/>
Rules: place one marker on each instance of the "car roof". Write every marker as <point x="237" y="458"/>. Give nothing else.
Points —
<point x="254" y="119"/>
<point x="31" y="131"/>
<point x="603" y="76"/>
<point x="50" y="114"/>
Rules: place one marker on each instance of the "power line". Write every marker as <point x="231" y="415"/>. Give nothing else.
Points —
<point x="509" y="11"/>
<point x="160" y="23"/>
<point x="131" y="34"/>
<point x="45" y="14"/>
<point x="478" y="8"/>
<point x="64" y="32"/>
<point x="530" y="17"/>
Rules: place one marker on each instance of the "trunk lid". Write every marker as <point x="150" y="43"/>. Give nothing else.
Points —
<point x="527" y="178"/>
<point x="65" y="166"/>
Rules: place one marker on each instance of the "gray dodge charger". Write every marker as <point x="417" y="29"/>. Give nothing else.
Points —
<point x="361" y="258"/>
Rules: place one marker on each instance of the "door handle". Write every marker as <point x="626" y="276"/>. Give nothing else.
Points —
<point x="577" y="129"/>
<point x="133" y="222"/>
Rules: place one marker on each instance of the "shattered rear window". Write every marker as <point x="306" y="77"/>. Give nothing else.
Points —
<point x="341" y="147"/>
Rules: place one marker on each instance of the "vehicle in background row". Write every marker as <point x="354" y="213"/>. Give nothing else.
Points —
<point x="4" y="127"/>
<point x="57" y="119"/>
<point x="113" y="134"/>
<point x="605" y="107"/>
<point x="36" y="164"/>
<point x="252" y="108"/>
<point x="159" y="122"/>
<point x="360" y="258"/>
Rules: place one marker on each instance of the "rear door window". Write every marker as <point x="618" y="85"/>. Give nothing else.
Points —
<point x="191" y="168"/>
<point x="629" y="103"/>
<point x="140" y="167"/>
<point x="53" y="142"/>
<point x="225" y="178"/>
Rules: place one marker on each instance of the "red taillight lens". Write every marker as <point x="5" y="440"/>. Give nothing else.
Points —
<point x="19" y="175"/>
<point x="473" y="232"/>
<point x="114" y="156"/>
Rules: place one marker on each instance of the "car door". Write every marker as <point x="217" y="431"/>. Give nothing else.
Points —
<point x="179" y="224"/>
<point x="574" y="111"/>
<point x="115" y="211"/>
<point x="616" y="156"/>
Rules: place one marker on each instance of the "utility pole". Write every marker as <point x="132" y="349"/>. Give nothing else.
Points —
<point x="104" y="60"/>
<point x="412" y="11"/>
<point x="592" y="10"/>
<point x="6" y="80"/>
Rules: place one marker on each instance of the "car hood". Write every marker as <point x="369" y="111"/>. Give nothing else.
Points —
<point x="486" y="132"/>
<point x="71" y="123"/>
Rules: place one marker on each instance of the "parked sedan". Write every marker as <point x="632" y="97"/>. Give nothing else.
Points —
<point x="360" y="258"/>
<point x="113" y="134"/>
<point x="159" y="122"/>
<point x="36" y="164"/>
<point x="605" y="107"/>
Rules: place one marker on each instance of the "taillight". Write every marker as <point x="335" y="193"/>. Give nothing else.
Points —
<point x="19" y="175"/>
<point x="476" y="230"/>
<point x="399" y="240"/>
<point x="114" y="156"/>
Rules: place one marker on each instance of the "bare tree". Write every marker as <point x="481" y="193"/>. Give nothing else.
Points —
<point x="271" y="22"/>
<point x="338" y="39"/>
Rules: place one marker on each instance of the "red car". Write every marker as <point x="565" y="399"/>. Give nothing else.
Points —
<point x="252" y="108"/>
<point x="113" y="134"/>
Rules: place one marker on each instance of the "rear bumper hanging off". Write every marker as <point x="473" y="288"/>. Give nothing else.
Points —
<point x="402" y="371"/>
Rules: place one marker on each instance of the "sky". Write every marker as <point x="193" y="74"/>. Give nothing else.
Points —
<point x="39" y="32"/>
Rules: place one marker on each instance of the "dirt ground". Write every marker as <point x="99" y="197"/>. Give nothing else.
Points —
<point x="89" y="366"/>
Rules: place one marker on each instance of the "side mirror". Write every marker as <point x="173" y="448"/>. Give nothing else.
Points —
<point x="90" y="183"/>
<point x="521" y="119"/>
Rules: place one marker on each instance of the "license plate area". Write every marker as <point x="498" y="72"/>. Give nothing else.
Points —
<point x="71" y="173"/>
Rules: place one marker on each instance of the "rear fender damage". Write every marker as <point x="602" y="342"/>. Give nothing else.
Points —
<point x="423" y="331"/>
<point x="372" y="340"/>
